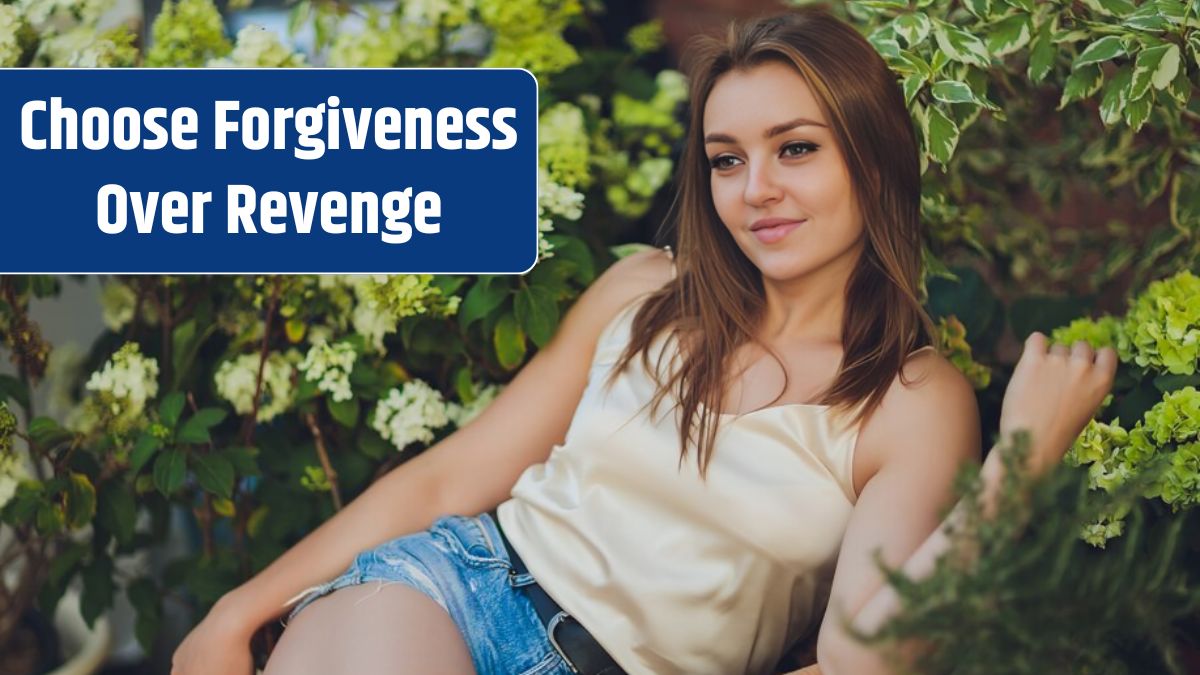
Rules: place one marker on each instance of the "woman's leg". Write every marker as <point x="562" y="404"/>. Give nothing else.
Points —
<point x="372" y="628"/>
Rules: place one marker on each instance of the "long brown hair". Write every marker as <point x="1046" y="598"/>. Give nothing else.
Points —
<point x="718" y="292"/>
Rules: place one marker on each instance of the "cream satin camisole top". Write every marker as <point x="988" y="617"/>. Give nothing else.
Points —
<point x="673" y="574"/>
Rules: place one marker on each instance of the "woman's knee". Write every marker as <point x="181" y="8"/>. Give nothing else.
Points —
<point x="375" y="627"/>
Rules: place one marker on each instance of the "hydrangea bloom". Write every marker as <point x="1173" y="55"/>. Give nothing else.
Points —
<point x="117" y="304"/>
<point x="187" y="33"/>
<point x="1102" y="332"/>
<point x="235" y="380"/>
<point x="954" y="346"/>
<point x="125" y="382"/>
<point x="554" y="200"/>
<point x="563" y="145"/>
<point x="528" y="34"/>
<point x="410" y="414"/>
<point x="1162" y="328"/>
<point x="111" y="49"/>
<point x="258" y="47"/>
<point x="329" y="365"/>
<point x="405" y="295"/>
<point x="11" y="26"/>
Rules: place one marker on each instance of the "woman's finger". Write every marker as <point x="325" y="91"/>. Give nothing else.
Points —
<point x="1082" y="351"/>
<point x="1060" y="350"/>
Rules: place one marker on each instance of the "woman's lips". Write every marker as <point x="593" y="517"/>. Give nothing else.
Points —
<point x="770" y="235"/>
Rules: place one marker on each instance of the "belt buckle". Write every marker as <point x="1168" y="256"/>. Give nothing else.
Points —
<point x="550" y="627"/>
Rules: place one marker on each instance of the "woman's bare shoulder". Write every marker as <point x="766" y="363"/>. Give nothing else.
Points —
<point x="624" y="282"/>
<point x="929" y="415"/>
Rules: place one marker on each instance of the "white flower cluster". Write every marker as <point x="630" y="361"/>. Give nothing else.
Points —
<point x="235" y="380"/>
<point x="126" y="381"/>
<point x="462" y="413"/>
<point x="12" y="472"/>
<point x="410" y="413"/>
<point x="11" y="24"/>
<point x="554" y="200"/>
<point x="258" y="47"/>
<point x="117" y="304"/>
<point x="329" y="365"/>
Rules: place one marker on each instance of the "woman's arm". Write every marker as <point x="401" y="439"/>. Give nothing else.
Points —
<point x="469" y="472"/>
<point x="1052" y="395"/>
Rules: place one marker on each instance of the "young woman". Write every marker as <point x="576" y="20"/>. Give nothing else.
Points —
<point x="714" y="445"/>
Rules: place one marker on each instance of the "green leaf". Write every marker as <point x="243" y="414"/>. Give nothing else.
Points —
<point x="536" y="311"/>
<point x="372" y="445"/>
<point x="344" y="412"/>
<point x="170" y="408"/>
<point x="81" y="500"/>
<point x="912" y="87"/>
<point x="572" y="250"/>
<point x="143" y="450"/>
<point x="1081" y="84"/>
<point x="1042" y="54"/>
<point x="1152" y="180"/>
<point x="11" y="387"/>
<point x="169" y="471"/>
<point x="1010" y="34"/>
<point x="1118" y="8"/>
<point x="960" y="45"/>
<point x="117" y="511"/>
<point x="1105" y="49"/>
<point x="1181" y="88"/>
<point x="1155" y="66"/>
<point x="144" y="597"/>
<point x="47" y="433"/>
<point x="1027" y="5"/>
<point x="214" y="473"/>
<point x="195" y="430"/>
<point x="509" y="342"/>
<point x="1148" y="19"/>
<point x="1138" y="111"/>
<point x="949" y="91"/>
<point x="1116" y="95"/>
<point x="98" y="589"/>
<point x="485" y="295"/>
<point x="914" y="28"/>
<point x="980" y="8"/>
<point x="1185" y="201"/>
<point x="243" y="459"/>
<point x="943" y="136"/>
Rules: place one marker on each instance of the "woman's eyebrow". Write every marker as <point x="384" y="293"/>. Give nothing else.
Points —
<point x="773" y="131"/>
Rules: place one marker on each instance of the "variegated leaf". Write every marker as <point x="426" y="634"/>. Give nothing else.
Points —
<point x="980" y="8"/>
<point x="1010" y="34"/>
<point x="1041" y="54"/>
<point x="1181" y="87"/>
<point x="1137" y="111"/>
<point x="914" y="28"/>
<point x="1104" y="49"/>
<point x="1082" y="83"/>
<point x="960" y="45"/>
<point x="1116" y="95"/>
<point x="949" y="91"/>
<point x="1116" y="8"/>
<point x="1185" y="201"/>
<point x="1155" y="67"/>
<point x="943" y="136"/>
<point x="912" y="87"/>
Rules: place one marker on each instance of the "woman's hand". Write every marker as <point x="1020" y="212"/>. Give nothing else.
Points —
<point x="218" y="645"/>
<point x="1054" y="392"/>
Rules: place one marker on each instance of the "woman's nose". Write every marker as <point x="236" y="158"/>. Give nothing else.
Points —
<point x="761" y="186"/>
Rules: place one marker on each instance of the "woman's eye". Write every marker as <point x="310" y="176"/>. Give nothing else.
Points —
<point x="722" y="162"/>
<point x="798" y="149"/>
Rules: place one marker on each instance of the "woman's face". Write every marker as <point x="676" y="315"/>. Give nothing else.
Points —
<point x="779" y="182"/>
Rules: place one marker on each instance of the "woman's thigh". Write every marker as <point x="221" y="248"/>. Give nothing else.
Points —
<point x="375" y="627"/>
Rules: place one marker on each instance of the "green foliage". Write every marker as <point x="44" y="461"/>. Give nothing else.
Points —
<point x="1018" y="592"/>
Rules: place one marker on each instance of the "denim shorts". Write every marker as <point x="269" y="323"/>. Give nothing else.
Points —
<point x="460" y="563"/>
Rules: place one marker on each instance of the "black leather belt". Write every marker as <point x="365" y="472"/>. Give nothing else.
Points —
<point x="570" y="639"/>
